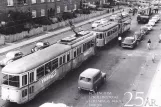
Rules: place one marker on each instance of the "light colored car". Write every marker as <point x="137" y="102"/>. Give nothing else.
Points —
<point x="149" y="26"/>
<point x="156" y="18"/>
<point x="10" y="57"/>
<point x="151" y="22"/>
<point x="129" y="42"/>
<point x="40" y="45"/>
<point x="91" y="79"/>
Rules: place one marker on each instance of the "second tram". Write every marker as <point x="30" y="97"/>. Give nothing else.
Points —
<point x="106" y="33"/>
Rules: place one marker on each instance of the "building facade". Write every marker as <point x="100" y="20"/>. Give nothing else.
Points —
<point x="39" y="8"/>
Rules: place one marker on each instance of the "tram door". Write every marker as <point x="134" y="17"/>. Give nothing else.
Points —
<point x="25" y="85"/>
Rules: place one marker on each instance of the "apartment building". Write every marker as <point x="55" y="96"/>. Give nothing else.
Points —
<point x="39" y="8"/>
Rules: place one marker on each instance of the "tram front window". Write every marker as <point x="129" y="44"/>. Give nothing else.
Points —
<point x="11" y="80"/>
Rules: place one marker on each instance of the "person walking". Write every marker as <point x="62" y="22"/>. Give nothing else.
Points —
<point x="159" y="38"/>
<point x="119" y="40"/>
<point x="148" y="44"/>
<point x="153" y="58"/>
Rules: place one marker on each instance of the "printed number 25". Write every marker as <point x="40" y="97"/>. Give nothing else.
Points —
<point x="136" y="97"/>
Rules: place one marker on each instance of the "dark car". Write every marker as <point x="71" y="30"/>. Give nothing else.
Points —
<point x="39" y="46"/>
<point x="129" y="42"/>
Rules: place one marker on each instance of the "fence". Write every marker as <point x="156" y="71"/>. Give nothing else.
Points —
<point x="35" y="31"/>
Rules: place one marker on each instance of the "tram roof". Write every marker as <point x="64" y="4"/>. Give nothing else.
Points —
<point x="105" y="27"/>
<point x="70" y="40"/>
<point x="36" y="59"/>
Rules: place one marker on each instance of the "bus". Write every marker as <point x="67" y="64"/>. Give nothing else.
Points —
<point x="124" y="21"/>
<point x="144" y="15"/>
<point x="105" y="33"/>
<point x="24" y="78"/>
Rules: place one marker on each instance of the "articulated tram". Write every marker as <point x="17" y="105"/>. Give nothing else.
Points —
<point x="105" y="33"/>
<point x="24" y="78"/>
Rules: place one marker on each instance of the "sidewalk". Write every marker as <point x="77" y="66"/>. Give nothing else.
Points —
<point x="49" y="34"/>
<point x="153" y="98"/>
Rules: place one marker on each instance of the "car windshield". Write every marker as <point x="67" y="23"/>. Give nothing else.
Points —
<point x="128" y="41"/>
<point x="10" y="55"/>
<point x="85" y="79"/>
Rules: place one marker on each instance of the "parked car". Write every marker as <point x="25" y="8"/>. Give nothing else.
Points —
<point x="91" y="79"/>
<point x="40" y="45"/>
<point x="156" y="18"/>
<point x="151" y="22"/>
<point x="10" y="57"/>
<point x="144" y="29"/>
<point x="129" y="42"/>
<point x="149" y="27"/>
<point x="138" y="36"/>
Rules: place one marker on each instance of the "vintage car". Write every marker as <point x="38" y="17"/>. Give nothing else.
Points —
<point x="144" y="30"/>
<point x="129" y="42"/>
<point x="39" y="46"/>
<point x="138" y="35"/>
<point x="99" y="22"/>
<point x="91" y="79"/>
<point x="10" y="57"/>
<point x="148" y="26"/>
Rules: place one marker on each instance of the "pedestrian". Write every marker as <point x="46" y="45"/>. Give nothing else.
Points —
<point x="119" y="40"/>
<point x="113" y="10"/>
<point x="148" y="44"/>
<point x="153" y="58"/>
<point x="160" y="38"/>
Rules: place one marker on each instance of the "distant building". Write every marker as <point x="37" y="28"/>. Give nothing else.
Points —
<point x="39" y="8"/>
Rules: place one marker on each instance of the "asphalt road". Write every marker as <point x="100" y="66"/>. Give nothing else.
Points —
<point x="123" y="67"/>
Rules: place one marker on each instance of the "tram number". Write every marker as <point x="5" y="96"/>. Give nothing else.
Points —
<point x="49" y="77"/>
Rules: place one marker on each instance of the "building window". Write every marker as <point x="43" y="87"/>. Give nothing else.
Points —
<point x="58" y="9"/>
<point x="31" y="90"/>
<point x="42" y="1"/>
<point x="65" y="8"/>
<point x="24" y="93"/>
<point x="31" y="77"/>
<point x="9" y="2"/>
<point x="42" y="12"/>
<point x="33" y="13"/>
<point x="33" y="1"/>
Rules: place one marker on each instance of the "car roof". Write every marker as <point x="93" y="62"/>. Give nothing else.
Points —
<point x="13" y="52"/>
<point x="129" y="38"/>
<point x="90" y="72"/>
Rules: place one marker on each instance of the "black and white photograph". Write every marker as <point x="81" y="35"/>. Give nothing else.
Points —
<point x="80" y="53"/>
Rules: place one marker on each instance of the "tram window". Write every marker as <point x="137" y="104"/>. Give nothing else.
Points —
<point x="101" y="35"/>
<point x="24" y="93"/>
<point x="68" y="57"/>
<point x="92" y="43"/>
<point x="31" y="90"/>
<point x="60" y="61"/>
<point x="64" y="59"/>
<point x="54" y="63"/>
<point x="11" y="80"/>
<point x="108" y="33"/>
<point x="24" y="80"/>
<point x="40" y="72"/>
<point x="75" y="53"/>
<point x="47" y="68"/>
<point x="14" y="81"/>
<point x="31" y="77"/>
<point x="84" y="47"/>
<point x="78" y="51"/>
